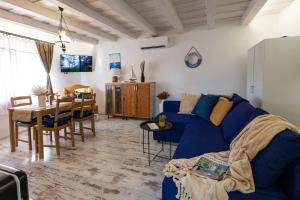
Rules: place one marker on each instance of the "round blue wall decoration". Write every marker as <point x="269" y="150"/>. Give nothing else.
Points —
<point x="193" y="58"/>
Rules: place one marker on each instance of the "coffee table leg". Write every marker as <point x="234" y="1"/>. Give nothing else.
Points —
<point x="143" y="142"/>
<point x="148" y="149"/>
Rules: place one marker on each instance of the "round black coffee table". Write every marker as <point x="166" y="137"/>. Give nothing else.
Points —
<point x="144" y="126"/>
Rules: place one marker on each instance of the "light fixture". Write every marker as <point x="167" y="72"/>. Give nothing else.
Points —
<point x="62" y="37"/>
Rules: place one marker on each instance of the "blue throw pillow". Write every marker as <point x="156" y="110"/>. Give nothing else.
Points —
<point x="205" y="105"/>
<point x="271" y="162"/>
<point x="256" y="113"/>
<point x="236" y="120"/>
<point x="236" y="99"/>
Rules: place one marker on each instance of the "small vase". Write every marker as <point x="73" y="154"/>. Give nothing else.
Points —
<point x="41" y="100"/>
<point x="161" y="106"/>
<point x="142" y="77"/>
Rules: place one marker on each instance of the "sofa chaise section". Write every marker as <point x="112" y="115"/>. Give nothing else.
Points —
<point x="197" y="136"/>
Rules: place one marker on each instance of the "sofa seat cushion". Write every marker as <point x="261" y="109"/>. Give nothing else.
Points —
<point x="49" y="121"/>
<point x="199" y="138"/>
<point x="86" y="113"/>
<point x="271" y="193"/>
<point x="236" y="120"/>
<point x="169" y="192"/>
<point x="179" y="122"/>
<point x="271" y="162"/>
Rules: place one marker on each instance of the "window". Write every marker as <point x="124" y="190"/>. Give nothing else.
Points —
<point x="20" y="68"/>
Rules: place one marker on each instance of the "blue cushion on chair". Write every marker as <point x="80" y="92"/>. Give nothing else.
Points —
<point x="271" y="162"/>
<point x="205" y="106"/>
<point x="236" y="99"/>
<point x="49" y="121"/>
<point x="86" y="113"/>
<point x="236" y="120"/>
<point x="33" y="120"/>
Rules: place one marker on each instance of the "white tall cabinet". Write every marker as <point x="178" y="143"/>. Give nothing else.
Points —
<point x="273" y="77"/>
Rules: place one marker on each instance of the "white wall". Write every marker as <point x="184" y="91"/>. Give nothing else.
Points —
<point x="61" y="80"/>
<point x="224" y="50"/>
<point x="223" y="69"/>
<point x="288" y="20"/>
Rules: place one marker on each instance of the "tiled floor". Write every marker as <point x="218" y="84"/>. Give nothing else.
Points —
<point x="109" y="166"/>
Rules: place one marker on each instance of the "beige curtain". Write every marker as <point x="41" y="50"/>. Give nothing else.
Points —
<point x="46" y="54"/>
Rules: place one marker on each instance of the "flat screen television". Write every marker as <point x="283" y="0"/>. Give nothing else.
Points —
<point x="76" y="63"/>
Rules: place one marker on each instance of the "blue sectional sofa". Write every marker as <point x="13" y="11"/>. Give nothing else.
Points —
<point x="276" y="173"/>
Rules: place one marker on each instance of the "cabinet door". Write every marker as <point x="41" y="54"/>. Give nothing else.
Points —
<point x="109" y="99"/>
<point x="118" y="101"/>
<point x="143" y="101"/>
<point x="129" y="100"/>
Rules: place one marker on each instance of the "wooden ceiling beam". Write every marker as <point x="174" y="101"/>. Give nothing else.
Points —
<point x="41" y="25"/>
<point x="121" y="7"/>
<point x="53" y="17"/>
<point x="211" y="13"/>
<point x="168" y="9"/>
<point x="252" y="10"/>
<point x="96" y="17"/>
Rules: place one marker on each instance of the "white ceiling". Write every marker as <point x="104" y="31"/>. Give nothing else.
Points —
<point x="95" y="20"/>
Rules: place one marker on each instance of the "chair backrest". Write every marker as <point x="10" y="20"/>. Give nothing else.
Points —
<point x="70" y="89"/>
<point x="20" y="101"/>
<point x="64" y="108"/>
<point x="87" y="103"/>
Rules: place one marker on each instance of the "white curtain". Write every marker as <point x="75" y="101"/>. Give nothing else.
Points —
<point x="20" y="68"/>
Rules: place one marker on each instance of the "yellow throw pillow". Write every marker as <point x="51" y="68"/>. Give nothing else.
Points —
<point x="220" y="111"/>
<point x="187" y="103"/>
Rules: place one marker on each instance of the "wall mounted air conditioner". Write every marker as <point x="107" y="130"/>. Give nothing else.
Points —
<point x="154" y="42"/>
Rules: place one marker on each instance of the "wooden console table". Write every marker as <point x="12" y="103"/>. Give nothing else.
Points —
<point x="130" y="99"/>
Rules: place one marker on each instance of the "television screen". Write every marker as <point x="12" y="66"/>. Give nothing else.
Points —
<point x="76" y="63"/>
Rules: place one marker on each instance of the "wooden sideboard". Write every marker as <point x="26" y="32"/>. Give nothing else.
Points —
<point x="135" y="100"/>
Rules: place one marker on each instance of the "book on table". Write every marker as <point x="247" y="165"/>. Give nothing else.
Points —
<point x="153" y="126"/>
<point x="210" y="167"/>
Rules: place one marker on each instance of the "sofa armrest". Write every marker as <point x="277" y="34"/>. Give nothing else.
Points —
<point x="171" y="106"/>
<point x="290" y="180"/>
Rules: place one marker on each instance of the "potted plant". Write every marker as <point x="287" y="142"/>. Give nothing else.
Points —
<point x="41" y="93"/>
<point x="162" y="121"/>
<point x="162" y="97"/>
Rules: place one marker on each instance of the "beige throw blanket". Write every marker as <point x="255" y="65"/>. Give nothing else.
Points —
<point x="252" y="139"/>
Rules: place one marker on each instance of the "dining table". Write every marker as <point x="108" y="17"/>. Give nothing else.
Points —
<point x="37" y="112"/>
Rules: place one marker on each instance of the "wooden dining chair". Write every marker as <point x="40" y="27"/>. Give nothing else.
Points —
<point x="84" y="113"/>
<point x="60" y="120"/>
<point x="17" y="102"/>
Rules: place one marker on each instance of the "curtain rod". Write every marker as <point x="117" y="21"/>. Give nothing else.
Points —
<point x="25" y="37"/>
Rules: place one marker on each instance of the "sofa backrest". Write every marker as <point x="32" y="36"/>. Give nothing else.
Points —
<point x="236" y="120"/>
<point x="171" y="106"/>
